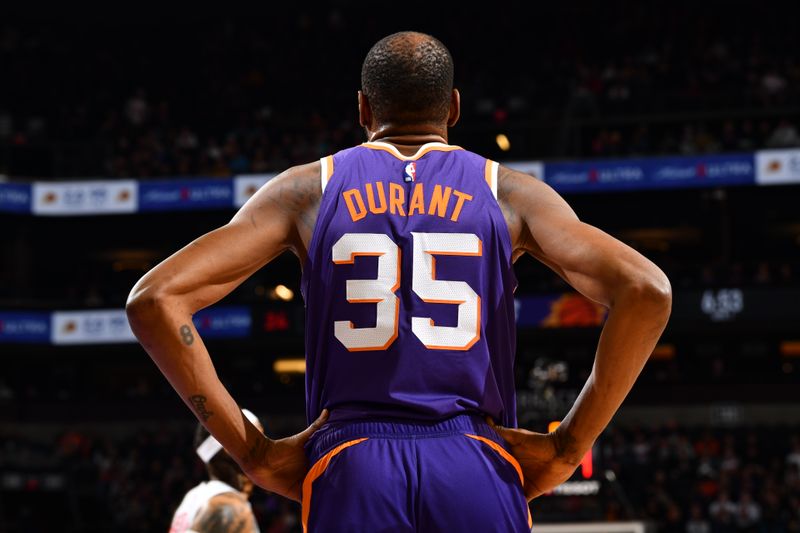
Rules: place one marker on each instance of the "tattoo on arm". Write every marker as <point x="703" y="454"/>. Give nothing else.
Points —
<point x="507" y="188"/>
<point x="565" y="444"/>
<point x="186" y="334"/>
<point x="257" y="453"/>
<point x="226" y="517"/>
<point x="299" y="196"/>
<point x="199" y="403"/>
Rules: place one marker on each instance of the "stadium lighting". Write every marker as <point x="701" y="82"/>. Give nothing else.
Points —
<point x="502" y="142"/>
<point x="289" y="366"/>
<point x="282" y="292"/>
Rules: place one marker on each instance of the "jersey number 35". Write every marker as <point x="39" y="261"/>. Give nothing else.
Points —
<point x="381" y="291"/>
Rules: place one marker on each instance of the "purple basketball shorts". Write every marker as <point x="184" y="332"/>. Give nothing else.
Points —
<point x="448" y="476"/>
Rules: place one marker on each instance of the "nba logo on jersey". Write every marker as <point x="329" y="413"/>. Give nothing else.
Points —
<point x="411" y="172"/>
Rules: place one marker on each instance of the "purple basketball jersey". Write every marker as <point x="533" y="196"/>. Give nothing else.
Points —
<point x="409" y="288"/>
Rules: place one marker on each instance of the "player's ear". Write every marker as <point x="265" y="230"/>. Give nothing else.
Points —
<point x="455" y="108"/>
<point x="364" y="111"/>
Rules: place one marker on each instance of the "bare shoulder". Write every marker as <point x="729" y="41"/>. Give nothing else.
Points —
<point x="292" y="190"/>
<point x="529" y="206"/>
<point x="301" y="182"/>
<point x="226" y="513"/>
<point x="289" y="200"/>
<point x="513" y="189"/>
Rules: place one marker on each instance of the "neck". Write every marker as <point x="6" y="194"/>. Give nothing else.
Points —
<point x="409" y="135"/>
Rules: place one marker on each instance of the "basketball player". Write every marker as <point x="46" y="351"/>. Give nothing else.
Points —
<point x="407" y="245"/>
<point x="220" y="505"/>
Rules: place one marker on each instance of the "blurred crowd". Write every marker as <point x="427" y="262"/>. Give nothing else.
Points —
<point x="130" y="484"/>
<point x="692" y="275"/>
<point x="221" y="97"/>
<point x="685" y="480"/>
<point x="693" y="137"/>
<point x="710" y="481"/>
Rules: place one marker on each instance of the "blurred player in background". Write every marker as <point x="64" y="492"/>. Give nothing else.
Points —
<point x="407" y="245"/>
<point x="221" y="504"/>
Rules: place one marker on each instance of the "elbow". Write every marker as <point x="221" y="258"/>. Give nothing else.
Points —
<point x="143" y="304"/>
<point x="658" y="288"/>
<point x="651" y="288"/>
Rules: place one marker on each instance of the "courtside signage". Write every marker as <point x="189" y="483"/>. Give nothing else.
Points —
<point x="15" y="197"/>
<point x="767" y="167"/>
<point x="24" y="327"/>
<point x="246" y="186"/>
<point x="85" y="197"/>
<point x="176" y="195"/>
<point x="223" y="323"/>
<point x="777" y="167"/>
<point x="701" y="171"/>
<point x="651" y="173"/>
<point x="91" y="327"/>
<point x="110" y="326"/>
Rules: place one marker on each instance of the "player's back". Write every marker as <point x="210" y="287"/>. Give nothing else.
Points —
<point x="409" y="288"/>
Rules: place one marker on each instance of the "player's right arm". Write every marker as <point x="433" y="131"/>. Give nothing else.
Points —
<point x="636" y="292"/>
<point x="279" y="217"/>
<point x="225" y="513"/>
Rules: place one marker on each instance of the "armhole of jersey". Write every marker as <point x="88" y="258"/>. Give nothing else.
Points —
<point x="326" y="170"/>
<point x="490" y="175"/>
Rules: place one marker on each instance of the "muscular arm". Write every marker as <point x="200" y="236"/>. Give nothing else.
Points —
<point x="636" y="292"/>
<point x="226" y="513"/>
<point x="279" y="217"/>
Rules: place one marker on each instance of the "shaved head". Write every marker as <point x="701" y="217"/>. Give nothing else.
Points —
<point x="407" y="77"/>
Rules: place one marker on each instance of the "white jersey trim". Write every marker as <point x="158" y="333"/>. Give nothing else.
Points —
<point x="495" y="169"/>
<point x="422" y="150"/>
<point x="323" y="173"/>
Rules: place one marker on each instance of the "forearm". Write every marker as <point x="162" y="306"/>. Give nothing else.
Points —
<point x="634" y="325"/>
<point x="165" y="330"/>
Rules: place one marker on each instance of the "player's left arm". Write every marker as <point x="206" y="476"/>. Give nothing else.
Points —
<point x="225" y="513"/>
<point x="279" y="217"/>
<point x="636" y="292"/>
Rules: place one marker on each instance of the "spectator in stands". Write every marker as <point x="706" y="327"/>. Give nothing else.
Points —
<point x="748" y="513"/>
<point x="697" y="523"/>
<point x="729" y="462"/>
<point x="137" y="109"/>
<point x="793" y="457"/>
<point x="773" y="86"/>
<point x="136" y="482"/>
<point x="665" y="85"/>
<point x="723" y="514"/>
<point x="785" y="135"/>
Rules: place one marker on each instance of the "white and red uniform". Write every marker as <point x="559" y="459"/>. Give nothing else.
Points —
<point x="194" y="502"/>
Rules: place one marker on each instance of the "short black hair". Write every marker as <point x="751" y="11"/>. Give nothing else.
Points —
<point x="408" y="77"/>
<point x="222" y="466"/>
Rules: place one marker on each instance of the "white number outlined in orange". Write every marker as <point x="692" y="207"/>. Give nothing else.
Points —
<point x="431" y="290"/>
<point x="380" y="291"/>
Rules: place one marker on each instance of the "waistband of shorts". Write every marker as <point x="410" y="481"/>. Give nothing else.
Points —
<point x="332" y="435"/>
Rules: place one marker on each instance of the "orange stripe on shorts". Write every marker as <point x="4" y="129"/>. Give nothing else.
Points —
<point x="317" y="470"/>
<point x="508" y="457"/>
